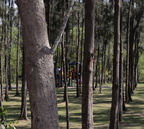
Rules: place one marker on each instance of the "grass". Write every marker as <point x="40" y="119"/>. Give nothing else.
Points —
<point x="133" y="118"/>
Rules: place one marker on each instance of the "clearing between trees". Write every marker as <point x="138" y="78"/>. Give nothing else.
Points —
<point x="132" y="119"/>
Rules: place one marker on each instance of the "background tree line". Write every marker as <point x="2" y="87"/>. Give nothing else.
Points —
<point x="71" y="47"/>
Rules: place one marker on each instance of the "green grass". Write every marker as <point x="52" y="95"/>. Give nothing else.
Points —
<point x="133" y="118"/>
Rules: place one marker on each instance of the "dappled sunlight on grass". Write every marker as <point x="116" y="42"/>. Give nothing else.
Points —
<point x="133" y="118"/>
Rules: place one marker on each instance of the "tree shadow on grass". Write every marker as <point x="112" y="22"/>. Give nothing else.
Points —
<point x="133" y="118"/>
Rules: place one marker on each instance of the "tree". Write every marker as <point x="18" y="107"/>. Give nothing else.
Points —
<point x="6" y="50"/>
<point x="78" y="76"/>
<point x="87" y="90"/>
<point x="17" y="59"/>
<point x="114" y="115"/>
<point x="65" y="84"/>
<point x="39" y="63"/>
<point x="1" y="88"/>
<point x="122" y="106"/>
<point x="23" y="114"/>
<point x="10" y="18"/>
<point x="128" y="94"/>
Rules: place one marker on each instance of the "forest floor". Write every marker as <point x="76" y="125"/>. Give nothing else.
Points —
<point x="133" y="118"/>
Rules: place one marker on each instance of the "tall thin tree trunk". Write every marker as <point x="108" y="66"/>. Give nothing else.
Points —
<point x="1" y="89"/>
<point x="17" y="60"/>
<point x="131" y="42"/>
<point x="122" y="106"/>
<point x="1" y="78"/>
<point x="6" y="78"/>
<point x="82" y="42"/>
<point x="6" y="54"/>
<point x="87" y="90"/>
<point x="1" y="56"/>
<point x="66" y="5"/>
<point x="23" y="114"/>
<point x="109" y="63"/>
<point x="97" y="65"/>
<point x="127" y="88"/>
<point x="65" y="85"/>
<point x="136" y="60"/>
<point x="114" y="115"/>
<point x="81" y="52"/>
<point x="11" y="3"/>
<point x="77" y="56"/>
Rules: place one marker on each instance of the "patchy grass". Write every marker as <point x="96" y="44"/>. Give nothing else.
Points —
<point x="132" y="119"/>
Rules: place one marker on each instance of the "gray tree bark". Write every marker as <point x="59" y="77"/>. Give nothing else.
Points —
<point x="39" y="65"/>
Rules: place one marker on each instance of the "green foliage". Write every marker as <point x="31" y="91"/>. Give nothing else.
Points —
<point x="14" y="56"/>
<point x="9" y="35"/>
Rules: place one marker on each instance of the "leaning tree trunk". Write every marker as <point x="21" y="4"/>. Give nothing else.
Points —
<point x="39" y="65"/>
<point x="87" y="90"/>
<point x="114" y="115"/>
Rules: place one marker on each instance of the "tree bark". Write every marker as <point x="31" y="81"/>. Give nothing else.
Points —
<point x="77" y="56"/>
<point x="122" y="106"/>
<point x="11" y="3"/>
<point x="87" y="90"/>
<point x="1" y="88"/>
<point x="23" y="115"/>
<point x="114" y="115"/>
<point x="65" y="85"/>
<point x="131" y="43"/>
<point x="127" y="88"/>
<point x="17" y="60"/>
<point x="97" y="66"/>
<point x="39" y="65"/>
<point x="6" y="54"/>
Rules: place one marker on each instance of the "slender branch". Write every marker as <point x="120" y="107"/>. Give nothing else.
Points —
<point x="63" y="26"/>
